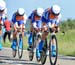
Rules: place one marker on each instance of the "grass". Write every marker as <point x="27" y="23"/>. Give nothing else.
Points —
<point x="8" y="44"/>
<point x="66" y="43"/>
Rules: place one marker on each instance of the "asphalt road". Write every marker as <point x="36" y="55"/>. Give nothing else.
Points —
<point x="7" y="59"/>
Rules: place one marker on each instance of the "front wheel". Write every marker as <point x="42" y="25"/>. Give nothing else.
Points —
<point x="53" y="58"/>
<point x="44" y="52"/>
<point x="14" y="53"/>
<point x="38" y="58"/>
<point x="31" y="52"/>
<point x="20" y="47"/>
<point x="14" y="45"/>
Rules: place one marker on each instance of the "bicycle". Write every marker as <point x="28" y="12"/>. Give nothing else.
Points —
<point x="43" y="53"/>
<point x="35" y="37"/>
<point x="53" y="59"/>
<point x="47" y="47"/>
<point x="31" y="52"/>
<point x="19" y="41"/>
<point x="38" y="39"/>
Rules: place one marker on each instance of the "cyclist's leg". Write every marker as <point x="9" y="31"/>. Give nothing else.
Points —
<point x="0" y="39"/>
<point x="44" y="36"/>
<point x="14" y="41"/>
<point x="9" y="35"/>
<point x="3" y="30"/>
<point x="4" y="36"/>
<point x="53" y="48"/>
<point x="37" y="48"/>
<point x="30" y="41"/>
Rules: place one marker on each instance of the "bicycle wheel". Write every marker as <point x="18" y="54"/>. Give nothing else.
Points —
<point x="20" y="46"/>
<point x="31" y="52"/>
<point x="53" y="59"/>
<point x="14" y="53"/>
<point x="37" y="58"/>
<point x="44" y="52"/>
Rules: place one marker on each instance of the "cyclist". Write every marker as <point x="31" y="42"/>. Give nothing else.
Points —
<point x="3" y="13"/>
<point x="7" y="25"/>
<point x="50" y="20"/>
<point x="35" y="22"/>
<point x="19" y="20"/>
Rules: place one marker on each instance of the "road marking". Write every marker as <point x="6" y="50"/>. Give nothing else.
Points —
<point x="6" y="61"/>
<point x="19" y="64"/>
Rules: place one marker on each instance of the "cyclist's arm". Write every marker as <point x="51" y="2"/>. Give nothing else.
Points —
<point x="25" y="18"/>
<point x="34" y="25"/>
<point x="57" y="21"/>
<point x="14" y="21"/>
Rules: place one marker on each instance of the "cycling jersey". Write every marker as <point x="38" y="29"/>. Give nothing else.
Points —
<point x="19" y="19"/>
<point x="35" y="19"/>
<point x="7" y="25"/>
<point x="3" y="17"/>
<point x="49" y="17"/>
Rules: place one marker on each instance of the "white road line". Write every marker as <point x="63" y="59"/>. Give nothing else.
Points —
<point x="16" y="62"/>
<point x="7" y="61"/>
<point x="19" y="64"/>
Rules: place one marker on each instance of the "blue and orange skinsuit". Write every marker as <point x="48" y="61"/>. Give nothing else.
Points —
<point x="34" y="18"/>
<point x="20" y="22"/>
<point x="46" y="18"/>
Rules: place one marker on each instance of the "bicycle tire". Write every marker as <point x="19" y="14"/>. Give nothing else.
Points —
<point x="51" y="61"/>
<point x="37" y="51"/>
<point x="20" y="50"/>
<point x="14" y="53"/>
<point x="38" y="59"/>
<point x="43" y="53"/>
<point x="31" y="52"/>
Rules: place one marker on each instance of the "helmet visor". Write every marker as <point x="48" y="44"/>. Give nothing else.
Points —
<point x="20" y="14"/>
<point x="2" y="10"/>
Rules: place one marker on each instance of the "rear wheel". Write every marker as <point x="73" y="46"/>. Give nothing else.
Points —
<point x="44" y="52"/>
<point x="53" y="59"/>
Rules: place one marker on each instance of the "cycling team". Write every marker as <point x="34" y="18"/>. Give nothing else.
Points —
<point x="39" y="19"/>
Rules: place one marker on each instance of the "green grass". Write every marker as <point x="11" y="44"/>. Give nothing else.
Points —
<point x="8" y="44"/>
<point x="66" y="43"/>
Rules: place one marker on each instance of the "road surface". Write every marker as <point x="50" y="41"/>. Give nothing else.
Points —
<point x="7" y="59"/>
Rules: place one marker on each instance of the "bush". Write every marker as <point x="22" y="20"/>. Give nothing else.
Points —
<point x="67" y="25"/>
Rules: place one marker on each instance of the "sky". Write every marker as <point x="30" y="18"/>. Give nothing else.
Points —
<point x="67" y="6"/>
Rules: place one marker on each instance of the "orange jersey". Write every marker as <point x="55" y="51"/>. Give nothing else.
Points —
<point x="19" y="18"/>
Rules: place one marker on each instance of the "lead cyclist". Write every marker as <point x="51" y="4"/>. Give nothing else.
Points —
<point x="50" y="20"/>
